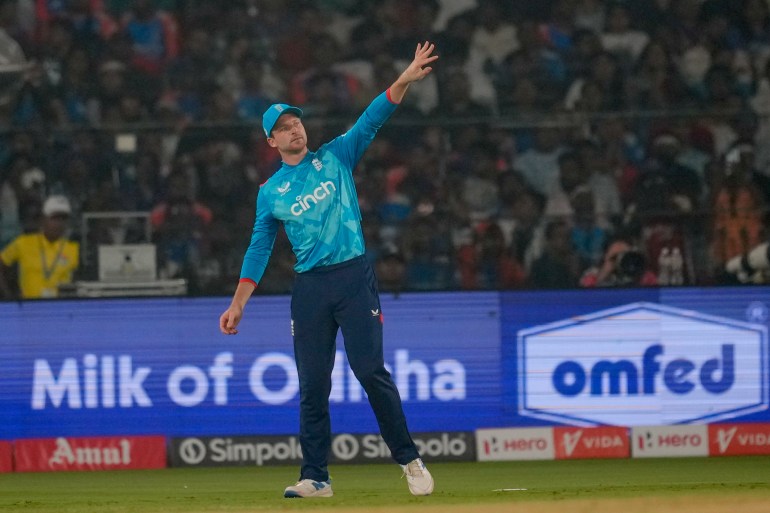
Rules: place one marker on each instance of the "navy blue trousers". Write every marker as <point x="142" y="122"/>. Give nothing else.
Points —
<point x="324" y="300"/>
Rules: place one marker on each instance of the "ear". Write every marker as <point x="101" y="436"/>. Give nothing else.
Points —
<point x="271" y="142"/>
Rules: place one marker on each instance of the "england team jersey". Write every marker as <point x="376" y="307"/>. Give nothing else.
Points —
<point x="316" y="201"/>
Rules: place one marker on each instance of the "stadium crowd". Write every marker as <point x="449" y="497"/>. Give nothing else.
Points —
<point x="559" y="143"/>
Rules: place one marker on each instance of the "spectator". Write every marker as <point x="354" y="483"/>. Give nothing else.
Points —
<point x="588" y="237"/>
<point x="390" y="268"/>
<point x="558" y="267"/>
<point x="154" y="35"/>
<point x="488" y="264"/>
<point x="738" y="207"/>
<point x="179" y="223"/>
<point x="622" y="266"/>
<point x="619" y="37"/>
<point x="540" y="165"/>
<point x="45" y="259"/>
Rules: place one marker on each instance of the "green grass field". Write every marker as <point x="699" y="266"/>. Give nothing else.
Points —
<point x="655" y="485"/>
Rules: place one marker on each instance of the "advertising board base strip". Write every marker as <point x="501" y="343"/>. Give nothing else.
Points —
<point x="515" y="444"/>
<point x="598" y="442"/>
<point x="219" y="451"/>
<point x="739" y="439"/>
<point x="6" y="457"/>
<point x="90" y="453"/>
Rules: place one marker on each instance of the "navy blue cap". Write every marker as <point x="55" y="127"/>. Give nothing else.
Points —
<point x="275" y="111"/>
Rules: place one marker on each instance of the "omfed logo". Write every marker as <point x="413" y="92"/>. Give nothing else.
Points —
<point x="739" y="439"/>
<point x="642" y="364"/>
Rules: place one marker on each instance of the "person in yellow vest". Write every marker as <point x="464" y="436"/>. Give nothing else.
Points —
<point x="46" y="258"/>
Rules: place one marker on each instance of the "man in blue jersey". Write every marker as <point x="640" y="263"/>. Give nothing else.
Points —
<point x="314" y="196"/>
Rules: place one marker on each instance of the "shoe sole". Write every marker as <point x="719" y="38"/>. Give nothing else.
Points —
<point x="294" y="495"/>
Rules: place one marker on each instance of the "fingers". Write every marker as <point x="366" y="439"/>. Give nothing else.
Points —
<point x="227" y="323"/>
<point x="424" y="49"/>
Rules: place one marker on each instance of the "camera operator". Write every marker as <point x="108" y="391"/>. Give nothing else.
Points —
<point x="622" y="266"/>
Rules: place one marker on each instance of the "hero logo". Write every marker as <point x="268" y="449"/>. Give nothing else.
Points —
<point x="306" y="202"/>
<point x="642" y="364"/>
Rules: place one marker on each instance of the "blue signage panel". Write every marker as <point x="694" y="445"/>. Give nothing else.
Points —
<point x="101" y="367"/>
<point x="637" y="357"/>
<point x="462" y="361"/>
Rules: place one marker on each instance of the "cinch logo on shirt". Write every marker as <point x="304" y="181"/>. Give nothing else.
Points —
<point x="304" y="203"/>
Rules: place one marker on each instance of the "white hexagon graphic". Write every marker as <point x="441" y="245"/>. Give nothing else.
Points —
<point x="642" y="364"/>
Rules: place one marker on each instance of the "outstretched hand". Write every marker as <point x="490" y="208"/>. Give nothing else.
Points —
<point x="419" y="68"/>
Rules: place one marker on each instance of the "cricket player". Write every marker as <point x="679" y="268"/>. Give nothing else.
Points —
<point x="314" y="196"/>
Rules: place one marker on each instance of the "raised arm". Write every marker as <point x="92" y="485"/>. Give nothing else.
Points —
<point x="416" y="71"/>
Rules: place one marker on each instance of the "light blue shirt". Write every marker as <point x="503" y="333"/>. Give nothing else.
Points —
<point x="316" y="201"/>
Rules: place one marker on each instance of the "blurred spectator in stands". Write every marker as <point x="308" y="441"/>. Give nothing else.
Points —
<point x="488" y="264"/>
<point x="324" y="88"/>
<point x="760" y="104"/>
<point x="540" y="164"/>
<point x="622" y="266"/>
<point x="88" y="19"/>
<point x="428" y="255"/>
<point x="154" y="34"/>
<point x="739" y="206"/>
<point x="390" y="268"/>
<point x="252" y="99"/>
<point x="479" y="186"/>
<point x="76" y="87"/>
<point x="667" y="196"/>
<point x="456" y="38"/>
<point x="600" y="178"/>
<point x="571" y="176"/>
<point x="493" y="39"/>
<point x="666" y="187"/>
<point x="141" y="183"/>
<point x="558" y="267"/>
<point x="111" y="87"/>
<point x="180" y="224"/>
<point x="586" y="45"/>
<point x="23" y="184"/>
<point x="526" y="227"/>
<point x="607" y="90"/>
<point x="622" y="151"/>
<point x="46" y="259"/>
<point x="294" y="49"/>
<point x="588" y="236"/>
<point x="558" y="29"/>
<point x="590" y="15"/>
<point x="534" y="60"/>
<point x="620" y="38"/>
<point x="753" y="30"/>
<point x="655" y="83"/>
<point x="197" y="60"/>
<point x="721" y="104"/>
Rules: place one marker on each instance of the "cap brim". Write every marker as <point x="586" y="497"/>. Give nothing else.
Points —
<point x="288" y="110"/>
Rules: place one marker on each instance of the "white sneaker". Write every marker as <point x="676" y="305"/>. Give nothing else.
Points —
<point x="309" y="488"/>
<point x="418" y="478"/>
